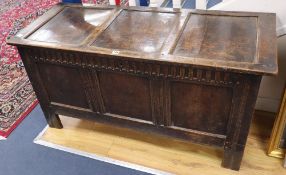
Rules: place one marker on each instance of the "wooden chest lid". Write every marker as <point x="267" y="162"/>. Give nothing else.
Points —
<point x="240" y="41"/>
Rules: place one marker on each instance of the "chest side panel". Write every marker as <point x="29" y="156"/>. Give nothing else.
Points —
<point x="63" y="84"/>
<point x="200" y="107"/>
<point x="126" y="95"/>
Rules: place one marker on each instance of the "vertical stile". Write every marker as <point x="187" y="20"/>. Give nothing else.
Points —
<point x="182" y="72"/>
<point x="208" y="75"/>
<point x="199" y="74"/>
<point x="59" y="57"/>
<point x="191" y="73"/>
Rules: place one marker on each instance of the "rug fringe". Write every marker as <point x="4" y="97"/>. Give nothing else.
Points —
<point x="3" y="138"/>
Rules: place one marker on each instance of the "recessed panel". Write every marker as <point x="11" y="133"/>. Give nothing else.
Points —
<point x="228" y="38"/>
<point x="126" y="95"/>
<point x="71" y="26"/>
<point x="63" y="85"/>
<point x="138" y="31"/>
<point x="200" y="107"/>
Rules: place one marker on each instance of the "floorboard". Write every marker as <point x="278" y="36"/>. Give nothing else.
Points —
<point x="162" y="153"/>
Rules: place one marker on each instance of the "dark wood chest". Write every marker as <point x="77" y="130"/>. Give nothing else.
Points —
<point x="186" y="74"/>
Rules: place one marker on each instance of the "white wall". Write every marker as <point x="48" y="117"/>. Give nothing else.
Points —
<point x="271" y="88"/>
<point x="275" y="6"/>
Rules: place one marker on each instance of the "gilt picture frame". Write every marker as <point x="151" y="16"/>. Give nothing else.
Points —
<point x="284" y="162"/>
<point x="277" y="144"/>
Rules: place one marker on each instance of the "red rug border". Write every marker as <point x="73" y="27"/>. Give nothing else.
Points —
<point x="19" y="120"/>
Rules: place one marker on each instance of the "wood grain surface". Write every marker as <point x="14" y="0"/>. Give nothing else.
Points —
<point x="166" y="154"/>
<point x="192" y="75"/>
<point x="243" y="42"/>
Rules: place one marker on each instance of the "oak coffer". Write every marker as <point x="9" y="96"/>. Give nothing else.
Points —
<point x="187" y="74"/>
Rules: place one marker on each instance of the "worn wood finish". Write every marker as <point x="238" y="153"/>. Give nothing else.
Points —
<point x="236" y="43"/>
<point x="71" y="25"/>
<point x="192" y="75"/>
<point x="140" y="37"/>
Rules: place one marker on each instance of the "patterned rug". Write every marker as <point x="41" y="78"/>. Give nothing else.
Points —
<point x="17" y="97"/>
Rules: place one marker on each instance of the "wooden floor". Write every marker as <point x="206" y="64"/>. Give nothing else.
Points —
<point x="165" y="154"/>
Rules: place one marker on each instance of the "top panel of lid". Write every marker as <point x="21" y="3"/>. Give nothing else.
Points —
<point x="71" y="25"/>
